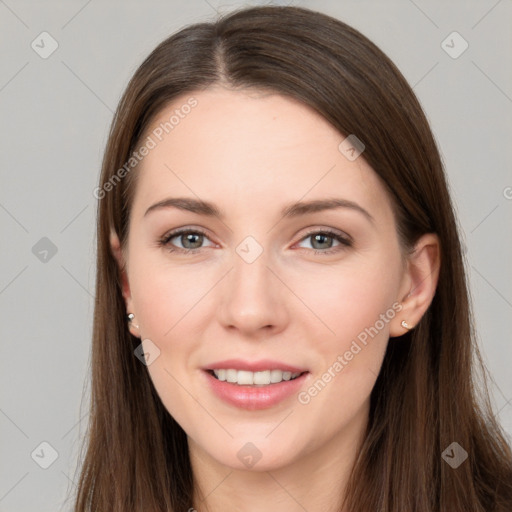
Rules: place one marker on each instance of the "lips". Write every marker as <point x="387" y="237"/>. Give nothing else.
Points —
<point x="254" y="366"/>
<point x="255" y="397"/>
<point x="262" y="394"/>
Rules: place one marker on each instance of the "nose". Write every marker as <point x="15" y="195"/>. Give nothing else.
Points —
<point x="253" y="298"/>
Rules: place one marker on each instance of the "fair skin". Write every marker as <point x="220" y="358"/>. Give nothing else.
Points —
<point x="251" y="155"/>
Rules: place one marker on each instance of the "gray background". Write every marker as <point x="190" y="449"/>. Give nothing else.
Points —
<point x="55" y="113"/>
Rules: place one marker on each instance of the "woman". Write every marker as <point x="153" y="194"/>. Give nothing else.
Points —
<point x="239" y="363"/>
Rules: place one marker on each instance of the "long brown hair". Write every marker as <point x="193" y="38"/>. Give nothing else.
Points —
<point x="427" y="395"/>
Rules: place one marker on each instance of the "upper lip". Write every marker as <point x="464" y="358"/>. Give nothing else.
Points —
<point x="253" y="366"/>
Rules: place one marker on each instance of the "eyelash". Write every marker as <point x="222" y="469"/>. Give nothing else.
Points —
<point x="165" y="240"/>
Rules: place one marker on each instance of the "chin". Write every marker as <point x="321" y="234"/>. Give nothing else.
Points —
<point x="253" y="453"/>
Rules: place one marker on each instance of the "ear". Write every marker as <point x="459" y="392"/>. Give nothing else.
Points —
<point x="119" y="256"/>
<point x="419" y="283"/>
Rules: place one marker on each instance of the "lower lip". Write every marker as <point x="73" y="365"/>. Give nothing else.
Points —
<point x="254" y="398"/>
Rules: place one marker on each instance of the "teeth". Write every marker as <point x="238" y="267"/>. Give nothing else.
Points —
<point x="245" y="378"/>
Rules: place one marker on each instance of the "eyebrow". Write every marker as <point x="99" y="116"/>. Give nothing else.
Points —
<point x="293" y="210"/>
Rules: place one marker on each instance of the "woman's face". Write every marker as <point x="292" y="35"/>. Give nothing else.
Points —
<point x="257" y="288"/>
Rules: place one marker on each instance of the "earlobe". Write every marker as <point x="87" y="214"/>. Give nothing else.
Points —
<point x="420" y="282"/>
<point x="132" y="325"/>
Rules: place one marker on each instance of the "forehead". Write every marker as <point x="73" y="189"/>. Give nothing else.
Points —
<point x="250" y="148"/>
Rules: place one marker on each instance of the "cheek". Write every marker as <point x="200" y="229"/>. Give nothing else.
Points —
<point x="165" y="297"/>
<point x="352" y="298"/>
<point x="168" y="302"/>
<point x="357" y="303"/>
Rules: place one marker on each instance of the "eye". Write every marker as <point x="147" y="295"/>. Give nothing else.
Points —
<point x="191" y="240"/>
<point x="321" y="240"/>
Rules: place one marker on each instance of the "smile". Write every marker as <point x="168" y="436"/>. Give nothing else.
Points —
<point x="243" y="395"/>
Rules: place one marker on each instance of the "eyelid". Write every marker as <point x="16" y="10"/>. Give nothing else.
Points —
<point x="173" y="233"/>
<point x="328" y="231"/>
<point x="345" y="241"/>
